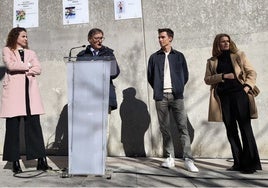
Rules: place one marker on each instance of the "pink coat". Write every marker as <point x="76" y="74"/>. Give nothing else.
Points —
<point x="13" y="92"/>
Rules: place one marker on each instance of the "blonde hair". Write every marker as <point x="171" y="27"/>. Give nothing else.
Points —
<point x="216" y="51"/>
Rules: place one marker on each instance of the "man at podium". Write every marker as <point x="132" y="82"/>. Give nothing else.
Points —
<point x="96" y="51"/>
<point x="91" y="95"/>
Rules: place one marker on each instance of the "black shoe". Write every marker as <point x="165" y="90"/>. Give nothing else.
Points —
<point x="233" y="168"/>
<point x="42" y="164"/>
<point x="16" y="167"/>
<point x="249" y="171"/>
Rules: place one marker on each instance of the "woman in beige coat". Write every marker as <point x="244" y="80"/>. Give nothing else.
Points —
<point x="21" y="100"/>
<point x="231" y="77"/>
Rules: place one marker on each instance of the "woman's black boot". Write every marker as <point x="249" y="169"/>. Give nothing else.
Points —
<point x="16" y="167"/>
<point x="42" y="164"/>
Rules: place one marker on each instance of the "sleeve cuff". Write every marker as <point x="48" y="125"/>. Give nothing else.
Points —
<point x="248" y="86"/>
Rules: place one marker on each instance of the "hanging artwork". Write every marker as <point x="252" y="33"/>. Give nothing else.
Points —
<point x="126" y="9"/>
<point x="75" y="12"/>
<point x="25" y="13"/>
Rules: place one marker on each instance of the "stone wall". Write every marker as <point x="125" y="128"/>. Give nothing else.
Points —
<point x="134" y="126"/>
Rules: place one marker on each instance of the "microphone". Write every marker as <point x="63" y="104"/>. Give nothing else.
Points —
<point x="70" y="52"/>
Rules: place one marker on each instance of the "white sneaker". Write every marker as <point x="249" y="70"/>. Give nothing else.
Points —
<point x="168" y="162"/>
<point x="189" y="165"/>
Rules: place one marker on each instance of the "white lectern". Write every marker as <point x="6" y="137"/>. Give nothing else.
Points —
<point x="88" y="96"/>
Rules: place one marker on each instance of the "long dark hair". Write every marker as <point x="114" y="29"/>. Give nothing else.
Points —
<point x="13" y="36"/>
<point x="216" y="51"/>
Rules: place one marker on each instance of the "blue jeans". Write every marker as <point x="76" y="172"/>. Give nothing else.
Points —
<point x="177" y="107"/>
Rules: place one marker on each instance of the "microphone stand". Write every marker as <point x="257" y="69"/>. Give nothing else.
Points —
<point x="70" y="52"/>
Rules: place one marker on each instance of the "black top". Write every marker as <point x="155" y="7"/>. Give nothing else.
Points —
<point x="21" y="52"/>
<point x="225" y="66"/>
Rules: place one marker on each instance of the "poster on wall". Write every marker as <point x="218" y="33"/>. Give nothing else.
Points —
<point x="75" y="12"/>
<point x="126" y="9"/>
<point x="25" y="13"/>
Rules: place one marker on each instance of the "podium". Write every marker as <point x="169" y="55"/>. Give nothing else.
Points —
<point x="88" y="97"/>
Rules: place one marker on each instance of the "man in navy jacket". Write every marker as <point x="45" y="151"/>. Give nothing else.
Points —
<point x="168" y="74"/>
<point x="98" y="51"/>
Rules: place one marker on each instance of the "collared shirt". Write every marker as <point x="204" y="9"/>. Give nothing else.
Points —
<point x="94" y="52"/>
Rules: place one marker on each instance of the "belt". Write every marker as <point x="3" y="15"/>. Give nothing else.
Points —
<point x="167" y="90"/>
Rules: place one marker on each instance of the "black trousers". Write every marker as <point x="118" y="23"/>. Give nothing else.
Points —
<point x="235" y="110"/>
<point x="34" y="142"/>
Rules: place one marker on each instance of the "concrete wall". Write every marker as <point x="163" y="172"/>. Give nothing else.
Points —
<point x="134" y="126"/>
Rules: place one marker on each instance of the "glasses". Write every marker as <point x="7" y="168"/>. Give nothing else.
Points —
<point x="98" y="38"/>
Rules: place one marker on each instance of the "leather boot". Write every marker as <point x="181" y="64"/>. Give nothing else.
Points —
<point x="42" y="164"/>
<point x="16" y="167"/>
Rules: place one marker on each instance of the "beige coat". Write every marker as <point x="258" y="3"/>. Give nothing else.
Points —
<point x="244" y="72"/>
<point x="13" y="92"/>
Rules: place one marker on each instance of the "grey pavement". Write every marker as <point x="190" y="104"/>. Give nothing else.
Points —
<point x="134" y="172"/>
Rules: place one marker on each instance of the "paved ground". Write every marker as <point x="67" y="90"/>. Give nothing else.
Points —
<point x="134" y="172"/>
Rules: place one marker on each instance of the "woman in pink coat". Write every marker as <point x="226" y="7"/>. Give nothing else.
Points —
<point x="21" y="101"/>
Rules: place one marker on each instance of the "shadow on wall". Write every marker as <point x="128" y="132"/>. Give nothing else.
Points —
<point x="60" y="145"/>
<point x="135" y="122"/>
